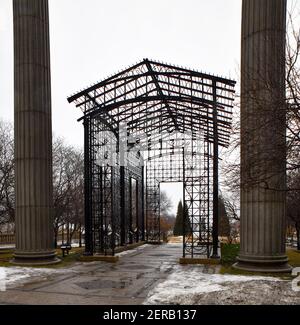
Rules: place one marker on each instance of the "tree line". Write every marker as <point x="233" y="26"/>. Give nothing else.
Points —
<point x="68" y="186"/>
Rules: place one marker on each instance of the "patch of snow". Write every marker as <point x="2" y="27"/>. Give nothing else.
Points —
<point x="14" y="276"/>
<point x="165" y="267"/>
<point x="2" y="280"/>
<point x="183" y="284"/>
<point x="74" y="243"/>
<point x="7" y="246"/>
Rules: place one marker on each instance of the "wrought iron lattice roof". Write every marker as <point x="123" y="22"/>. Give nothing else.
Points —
<point x="152" y="96"/>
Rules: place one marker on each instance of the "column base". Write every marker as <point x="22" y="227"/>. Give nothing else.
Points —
<point x="266" y="264"/>
<point x="35" y="259"/>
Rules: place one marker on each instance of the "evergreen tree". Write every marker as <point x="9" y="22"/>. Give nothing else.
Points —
<point x="224" y="224"/>
<point x="178" y="227"/>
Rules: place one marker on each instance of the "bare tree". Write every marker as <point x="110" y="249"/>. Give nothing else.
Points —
<point x="166" y="218"/>
<point x="165" y="203"/>
<point x="231" y="209"/>
<point x="75" y="213"/>
<point x="256" y="166"/>
<point x="67" y="184"/>
<point x="67" y="189"/>
<point x="293" y="204"/>
<point x="7" y="201"/>
<point x="293" y="92"/>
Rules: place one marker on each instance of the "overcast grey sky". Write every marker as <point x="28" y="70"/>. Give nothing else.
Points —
<point x="91" y="39"/>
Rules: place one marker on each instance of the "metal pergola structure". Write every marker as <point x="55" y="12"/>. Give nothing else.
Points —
<point x="149" y="124"/>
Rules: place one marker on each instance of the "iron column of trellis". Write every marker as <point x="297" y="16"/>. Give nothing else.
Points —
<point x="88" y="236"/>
<point x="215" y="230"/>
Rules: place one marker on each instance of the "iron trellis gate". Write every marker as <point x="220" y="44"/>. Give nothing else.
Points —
<point x="170" y="119"/>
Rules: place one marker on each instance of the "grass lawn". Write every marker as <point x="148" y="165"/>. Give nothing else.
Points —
<point x="229" y="252"/>
<point x="74" y="254"/>
<point x="5" y="257"/>
<point x="294" y="257"/>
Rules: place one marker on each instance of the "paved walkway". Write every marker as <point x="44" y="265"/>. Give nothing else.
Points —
<point x="146" y="275"/>
<point x="125" y="282"/>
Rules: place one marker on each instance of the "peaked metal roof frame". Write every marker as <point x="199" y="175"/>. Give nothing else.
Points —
<point x="152" y="96"/>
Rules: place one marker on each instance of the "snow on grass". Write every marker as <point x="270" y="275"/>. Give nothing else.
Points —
<point x="73" y="244"/>
<point x="2" y="280"/>
<point x="15" y="276"/>
<point x="9" y="246"/>
<point x="183" y="284"/>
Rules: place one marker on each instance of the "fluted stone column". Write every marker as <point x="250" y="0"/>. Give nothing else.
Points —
<point x="33" y="134"/>
<point x="263" y="156"/>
